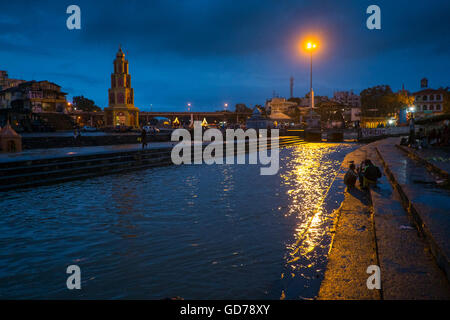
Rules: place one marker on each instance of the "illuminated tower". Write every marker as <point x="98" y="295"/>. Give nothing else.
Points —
<point x="121" y="110"/>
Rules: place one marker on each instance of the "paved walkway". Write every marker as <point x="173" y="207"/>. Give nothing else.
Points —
<point x="437" y="157"/>
<point x="36" y="154"/>
<point x="353" y="248"/>
<point x="426" y="200"/>
<point x="408" y="268"/>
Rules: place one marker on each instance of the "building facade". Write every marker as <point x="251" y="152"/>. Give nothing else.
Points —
<point x="19" y="103"/>
<point x="121" y="110"/>
<point x="279" y="105"/>
<point x="347" y="98"/>
<point x="6" y="82"/>
<point x="36" y="96"/>
<point x="428" y="101"/>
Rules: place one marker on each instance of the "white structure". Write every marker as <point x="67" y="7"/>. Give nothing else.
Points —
<point x="428" y="101"/>
<point x="279" y="105"/>
<point x="347" y="98"/>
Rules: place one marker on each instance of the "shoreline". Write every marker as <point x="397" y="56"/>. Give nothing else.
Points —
<point x="374" y="228"/>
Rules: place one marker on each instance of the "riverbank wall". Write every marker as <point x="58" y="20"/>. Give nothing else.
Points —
<point x="377" y="233"/>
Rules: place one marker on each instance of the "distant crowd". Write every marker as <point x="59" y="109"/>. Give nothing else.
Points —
<point x="433" y="137"/>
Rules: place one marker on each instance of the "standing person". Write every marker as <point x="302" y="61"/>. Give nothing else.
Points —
<point x="351" y="176"/>
<point x="412" y="131"/>
<point x="144" y="138"/>
<point x="76" y="136"/>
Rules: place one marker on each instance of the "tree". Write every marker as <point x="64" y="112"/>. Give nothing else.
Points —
<point x="446" y="97"/>
<point x="242" y="108"/>
<point x="298" y="101"/>
<point x="326" y="109"/>
<point x="85" y="104"/>
<point x="380" y="101"/>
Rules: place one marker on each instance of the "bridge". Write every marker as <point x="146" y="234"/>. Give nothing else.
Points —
<point x="97" y="118"/>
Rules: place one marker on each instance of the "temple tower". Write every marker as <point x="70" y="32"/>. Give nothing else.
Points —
<point x="121" y="110"/>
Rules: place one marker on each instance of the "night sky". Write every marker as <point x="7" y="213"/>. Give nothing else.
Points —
<point x="211" y="52"/>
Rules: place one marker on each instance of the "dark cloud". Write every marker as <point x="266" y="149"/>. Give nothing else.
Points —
<point x="224" y="49"/>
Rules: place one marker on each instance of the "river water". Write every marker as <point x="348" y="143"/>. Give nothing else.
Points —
<point x="193" y="231"/>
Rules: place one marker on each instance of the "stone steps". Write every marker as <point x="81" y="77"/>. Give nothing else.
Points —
<point x="423" y="199"/>
<point x="82" y="176"/>
<point x="70" y="162"/>
<point x="47" y="171"/>
<point x="40" y="171"/>
<point x="408" y="269"/>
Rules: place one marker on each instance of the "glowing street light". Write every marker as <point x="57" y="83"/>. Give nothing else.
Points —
<point x="225" y="106"/>
<point x="311" y="46"/>
<point x="189" y="106"/>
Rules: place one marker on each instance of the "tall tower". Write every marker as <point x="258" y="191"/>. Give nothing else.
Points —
<point x="292" y="86"/>
<point x="121" y="110"/>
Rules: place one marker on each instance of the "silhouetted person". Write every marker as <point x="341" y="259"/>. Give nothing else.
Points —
<point x="351" y="176"/>
<point x="144" y="138"/>
<point x="370" y="174"/>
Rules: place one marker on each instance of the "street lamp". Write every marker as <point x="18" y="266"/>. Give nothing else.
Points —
<point x="311" y="46"/>
<point x="189" y="106"/>
<point x="225" y="106"/>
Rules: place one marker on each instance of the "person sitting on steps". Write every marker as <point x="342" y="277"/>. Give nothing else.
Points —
<point x="351" y="176"/>
<point x="370" y="174"/>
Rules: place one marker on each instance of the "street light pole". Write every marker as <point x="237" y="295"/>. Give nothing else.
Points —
<point x="311" y="46"/>
<point x="311" y="92"/>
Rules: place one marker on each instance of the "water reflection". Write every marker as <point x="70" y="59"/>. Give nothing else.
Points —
<point x="309" y="176"/>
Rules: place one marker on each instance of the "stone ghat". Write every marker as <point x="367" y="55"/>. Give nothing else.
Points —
<point x="86" y="140"/>
<point x="29" y="171"/>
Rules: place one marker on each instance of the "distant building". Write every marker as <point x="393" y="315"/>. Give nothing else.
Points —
<point x="121" y="110"/>
<point x="35" y="96"/>
<point x="428" y="101"/>
<point x="279" y="105"/>
<point x="257" y="121"/>
<point x="347" y="98"/>
<point x="24" y="103"/>
<point x="6" y="82"/>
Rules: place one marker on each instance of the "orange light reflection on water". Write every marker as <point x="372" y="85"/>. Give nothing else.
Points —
<point x="309" y="176"/>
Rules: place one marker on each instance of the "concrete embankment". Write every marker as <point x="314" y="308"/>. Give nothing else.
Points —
<point x="86" y="140"/>
<point x="47" y="166"/>
<point x="424" y="199"/>
<point x="40" y="171"/>
<point x="373" y="228"/>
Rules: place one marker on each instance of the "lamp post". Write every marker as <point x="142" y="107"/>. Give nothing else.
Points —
<point x="310" y="46"/>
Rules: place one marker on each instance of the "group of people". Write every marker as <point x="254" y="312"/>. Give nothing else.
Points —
<point x="434" y="137"/>
<point x="424" y="138"/>
<point x="367" y="174"/>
